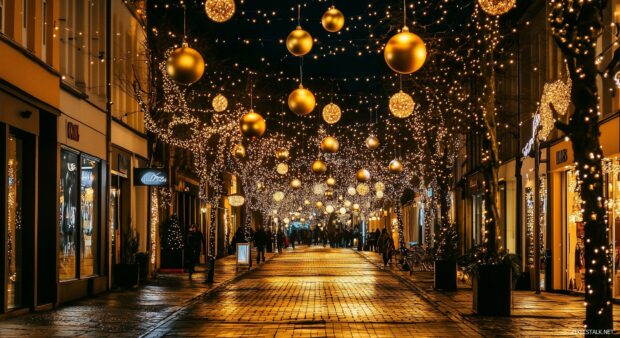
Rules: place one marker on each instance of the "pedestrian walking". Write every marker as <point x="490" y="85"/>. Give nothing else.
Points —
<point x="280" y="239"/>
<point x="386" y="246"/>
<point x="260" y="241"/>
<point x="194" y="243"/>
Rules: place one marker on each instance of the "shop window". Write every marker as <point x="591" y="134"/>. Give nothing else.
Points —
<point x="79" y="215"/>
<point x="14" y="245"/>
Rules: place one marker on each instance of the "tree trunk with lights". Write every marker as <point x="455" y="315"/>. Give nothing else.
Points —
<point x="212" y="233"/>
<point x="576" y="27"/>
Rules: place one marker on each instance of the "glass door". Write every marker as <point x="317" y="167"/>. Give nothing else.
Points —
<point x="13" y="243"/>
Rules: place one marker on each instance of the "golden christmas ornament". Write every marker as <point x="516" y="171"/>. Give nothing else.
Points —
<point x="396" y="167"/>
<point x="185" y="65"/>
<point x="362" y="175"/>
<point x="330" y="145"/>
<point x="401" y="105"/>
<point x="405" y="52"/>
<point x="497" y="7"/>
<point x="330" y="181"/>
<point x="239" y="151"/>
<point x="332" y="20"/>
<point x="296" y="183"/>
<point x="329" y="193"/>
<point x="319" y="167"/>
<point x="362" y="189"/>
<point x="219" y="103"/>
<point x="299" y="42"/>
<point x="278" y="196"/>
<point x="351" y="191"/>
<point x="331" y="113"/>
<point x="282" y="154"/>
<point x="252" y="124"/>
<point x="319" y="204"/>
<point x="372" y="142"/>
<point x="220" y="10"/>
<point x="282" y="168"/>
<point x="301" y="101"/>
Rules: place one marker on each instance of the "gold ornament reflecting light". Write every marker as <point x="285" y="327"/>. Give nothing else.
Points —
<point x="239" y="151"/>
<point x="362" y="189"/>
<point x="330" y="181"/>
<point x="332" y="20"/>
<point x="319" y="167"/>
<point x="379" y="194"/>
<point x="220" y="10"/>
<point x="330" y="145"/>
<point x="219" y="103"/>
<point x="319" y="204"/>
<point x="278" y="196"/>
<point x="401" y="105"/>
<point x="497" y="7"/>
<point x="379" y="186"/>
<point x="396" y="167"/>
<point x="301" y="101"/>
<point x="351" y="191"/>
<point x="299" y="42"/>
<point x="185" y="65"/>
<point x="331" y="113"/>
<point x="318" y="189"/>
<point x="236" y="200"/>
<point x="405" y="52"/>
<point x="282" y="168"/>
<point x="295" y="183"/>
<point x="362" y="175"/>
<point x="282" y="154"/>
<point x="252" y="124"/>
<point x="372" y="142"/>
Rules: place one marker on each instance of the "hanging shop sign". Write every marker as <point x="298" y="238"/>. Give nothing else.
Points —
<point x="561" y="156"/>
<point x="150" y="176"/>
<point x="535" y="125"/>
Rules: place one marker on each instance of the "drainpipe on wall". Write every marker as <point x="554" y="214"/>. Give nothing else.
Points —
<point x="108" y="74"/>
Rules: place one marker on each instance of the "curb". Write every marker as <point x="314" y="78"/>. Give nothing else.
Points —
<point x="176" y="310"/>
<point x="446" y="310"/>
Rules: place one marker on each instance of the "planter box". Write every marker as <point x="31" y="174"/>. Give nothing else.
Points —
<point x="445" y="275"/>
<point x="492" y="290"/>
<point x="126" y="275"/>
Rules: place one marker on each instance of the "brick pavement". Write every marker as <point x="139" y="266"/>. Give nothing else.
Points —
<point x="315" y="292"/>
<point x="543" y="315"/>
<point x="127" y="313"/>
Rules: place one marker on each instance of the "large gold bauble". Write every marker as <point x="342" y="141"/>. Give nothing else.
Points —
<point x="497" y="7"/>
<point x="330" y="145"/>
<point x="362" y="175"/>
<point x="282" y="154"/>
<point x="330" y="181"/>
<point x="220" y="10"/>
<point x="252" y="124"/>
<point x="301" y="101"/>
<point x="185" y="65"/>
<point x="299" y="42"/>
<point x="331" y="113"/>
<point x="295" y="183"/>
<point x="405" y="52"/>
<point x="239" y="151"/>
<point x="219" y="103"/>
<point x="372" y="142"/>
<point x="319" y="167"/>
<point x="332" y="20"/>
<point x="396" y="167"/>
<point x="401" y="105"/>
<point x="282" y="168"/>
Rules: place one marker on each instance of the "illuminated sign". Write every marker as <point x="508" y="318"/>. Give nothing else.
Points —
<point x="535" y="125"/>
<point x="150" y="176"/>
<point x="73" y="132"/>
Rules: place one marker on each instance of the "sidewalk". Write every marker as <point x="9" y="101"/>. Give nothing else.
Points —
<point x="127" y="313"/>
<point x="545" y="314"/>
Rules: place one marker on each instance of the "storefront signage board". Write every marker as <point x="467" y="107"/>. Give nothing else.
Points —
<point x="243" y="255"/>
<point x="150" y="177"/>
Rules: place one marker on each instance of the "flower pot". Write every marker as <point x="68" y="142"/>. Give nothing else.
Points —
<point x="126" y="275"/>
<point x="445" y="275"/>
<point x="492" y="290"/>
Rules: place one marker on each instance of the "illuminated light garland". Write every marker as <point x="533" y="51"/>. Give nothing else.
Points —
<point x="154" y="224"/>
<point x="497" y="7"/>
<point x="351" y="191"/>
<point x="401" y="105"/>
<point x="557" y="94"/>
<point x="282" y="168"/>
<point x="220" y="10"/>
<point x="219" y="103"/>
<point x="362" y="189"/>
<point x="278" y="196"/>
<point x="236" y="200"/>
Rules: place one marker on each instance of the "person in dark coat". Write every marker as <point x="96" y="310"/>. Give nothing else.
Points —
<point x="280" y="238"/>
<point x="260" y="241"/>
<point x="386" y="246"/>
<point x="195" y="240"/>
<point x="377" y="235"/>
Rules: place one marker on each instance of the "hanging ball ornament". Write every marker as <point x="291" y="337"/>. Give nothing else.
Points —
<point x="362" y="189"/>
<point x="219" y="103"/>
<point x="332" y="20"/>
<point x="401" y="105"/>
<point x="331" y="113"/>
<point x="319" y="204"/>
<point x="396" y="167"/>
<point x="282" y="168"/>
<point x="319" y="167"/>
<point x="372" y="142"/>
<point x="220" y="10"/>
<point x="405" y="52"/>
<point x="330" y="145"/>
<point x="295" y="183"/>
<point x="362" y="175"/>
<point x="351" y="191"/>
<point x="282" y="154"/>
<point x="497" y="7"/>
<point x="239" y="151"/>
<point x="299" y="42"/>
<point x="301" y="101"/>
<point x="252" y="124"/>
<point x="330" y="181"/>
<point x="185" y="65"/>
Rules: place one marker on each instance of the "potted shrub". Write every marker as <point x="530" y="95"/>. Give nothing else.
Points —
<point x="446" y="252"/>
<point x="127" y="273"/>
<point x="492" y="279"/>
